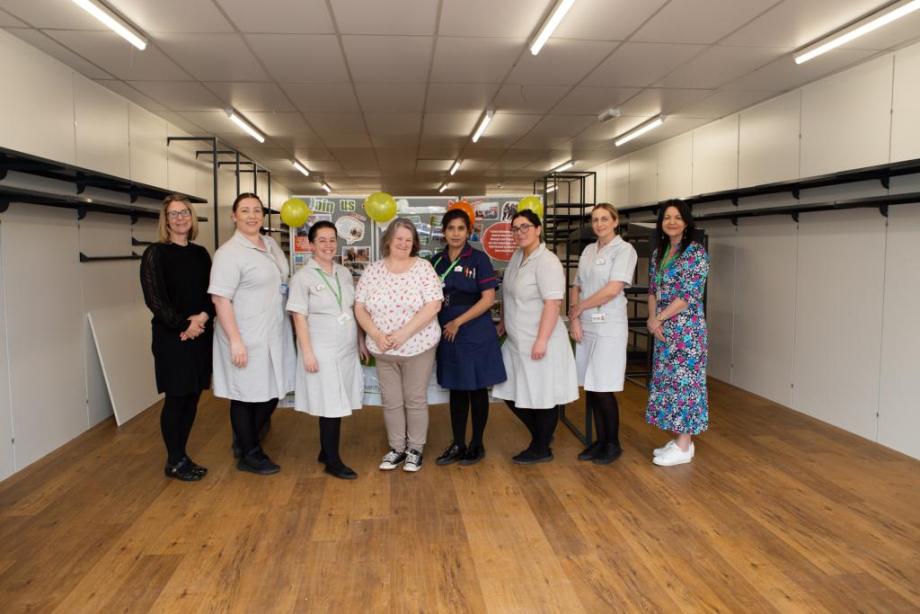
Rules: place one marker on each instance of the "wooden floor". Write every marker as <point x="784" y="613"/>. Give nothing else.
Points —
<point x="777" y="512"/>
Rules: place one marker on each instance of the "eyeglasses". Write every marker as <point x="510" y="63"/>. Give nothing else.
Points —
<point x="181" y="213"/>
<point x="521" y="229"/>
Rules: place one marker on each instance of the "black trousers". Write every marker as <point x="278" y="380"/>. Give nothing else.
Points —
<point x="176" y="419"/>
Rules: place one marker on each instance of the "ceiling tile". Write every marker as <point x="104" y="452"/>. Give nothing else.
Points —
<point x="394" y="129"/>
<point x="396" y="159"/>
<point x="284" y="16"/>
<point x="608" y="20"/>
<point x="652" y="101"/>
<point x="114" y="55"/>
<point x="718" y="65"/>
<point x="450" y="124"/>
<point x="640" y="64"/>
<point x="395" y="98"/>
<point x="723" y="103"/>
<point x="784" y="74"/>
<point x="584" y="100"/>
<point x="510" y="18"/>
<point x="280" y="124"/>
<point x="213" y="57"/>
<point x="433" y="165"/>
<point x="529" y="98"/>
<point x="562" y="62"/>
<point x="247" y="96"/>
<point x="507" y="128"/>
<point x="389" y="59"/>
<point x="181" y="122"/>
<point x="8" y="21"/>
<point x="340" y="129"/>
<point x="300" y="58"/>
<point x="441" y="147"/>
<point x="172" y="15"/>
<point x="179" y="95"/>
<point x="216" y="122"/>
<point x="356" y="158"/>
<point x="446" y="97"/>
<point x="123" y="89"/>
<point x="66" y="15"/>
<point x="700" y="21"/>
<point x="390" y="17"/>
<point x="474" y="60"/>
<point x="42" y="41"/>
<point x="322" y="97"/>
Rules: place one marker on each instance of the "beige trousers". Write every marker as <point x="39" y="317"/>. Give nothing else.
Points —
<point x="404" y="389"/>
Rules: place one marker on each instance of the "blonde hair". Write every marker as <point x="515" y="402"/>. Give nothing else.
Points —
<point x="163" y="228"/>
<point x="399" y="222"/>
<point x="609" y="209"/>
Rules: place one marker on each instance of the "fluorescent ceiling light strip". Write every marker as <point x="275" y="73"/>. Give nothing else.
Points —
<point x="549" y="26"/>
<point x="300" y="167"/>
<point x="563" y="167"/>
<point x="113" y="22"/>
<point x="483" y="123"/>
<point x="869" y="24"/>
<point x="327" y="188"/>
<point x="455" y="168"/>
<point x="551" y="188"/>
<point x="246" y="126"/>
<point x="442" y="188"/>
<point x="638" y="130"/>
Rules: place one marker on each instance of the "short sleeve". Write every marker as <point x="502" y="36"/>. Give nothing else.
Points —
<point x="652" y="271"/>
<point x="580" y="273"/>
<point x="485" y="273"/>
<point x="623" y="267"/>
<point x="691" y="279"/>
<point x="299" y="294"/>
<point x="430" y="282"/>
<point x="225" y="275"/>
<point x="551" y="278"/>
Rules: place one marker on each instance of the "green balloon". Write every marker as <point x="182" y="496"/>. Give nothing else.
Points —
<point x="531" y="203"/>
<point x="380" y="207"/>
<point x="295" y="212"/>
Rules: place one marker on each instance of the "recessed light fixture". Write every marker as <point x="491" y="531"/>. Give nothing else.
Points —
<point x="300" y="167"/>
<point x="549" y="26"/>
<point x="608" y="114"/>
<point x="114" y="22"/>
<point x="563" y="167"/>
<point x="483" y="124"/>
<point x="454" y="168"/>
<point x="863" y="26"/>
<point x="442" y="188"/>
<point x="248" y="128"/>
<point x="639" y="130"/>
<point x="327" y="188"/>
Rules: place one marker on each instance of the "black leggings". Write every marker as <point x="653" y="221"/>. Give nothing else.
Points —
<point x="330" y="432"/>
<point x="176" y="421"/>
<point x="540" y="422"/>
<point x="248" y="419"/>
<point x="462" y="402"/>
<point x="606" y="416"/>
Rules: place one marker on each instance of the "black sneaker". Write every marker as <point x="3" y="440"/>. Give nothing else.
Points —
<point x="529" y="457"/>
<point x="256" y="461"/>
<point x="590" y="452"/>
<point x="473" y="455"/>
<point x="452" y="454"/>
<point x="392" y="459"/>
<point x="413" y="461"/>
<point x="182" y="471"/>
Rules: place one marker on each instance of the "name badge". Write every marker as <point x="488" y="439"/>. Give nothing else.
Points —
<point x="598" y="316"/>
<point x="600" y="261"/>
<point x="343" y="318"/>
<point x="458" y="269"/>
<point x="319" y="288"/>
<point x="284" y="289"/>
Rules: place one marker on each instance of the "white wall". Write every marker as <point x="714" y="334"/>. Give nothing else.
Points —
<point x="51" y="384"/>
<point x="816" y="315"/>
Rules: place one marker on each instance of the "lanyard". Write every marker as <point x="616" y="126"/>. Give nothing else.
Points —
<point x="667" y="261"/>
<point x="450" y="268"/>
<point x="338" y="283"/>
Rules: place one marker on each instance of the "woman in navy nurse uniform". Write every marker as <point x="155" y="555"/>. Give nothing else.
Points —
<point x="469" y="359"/>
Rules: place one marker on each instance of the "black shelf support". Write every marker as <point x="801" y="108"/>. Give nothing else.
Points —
<point x="139" y="242"/>
<point x="85" y="258"/>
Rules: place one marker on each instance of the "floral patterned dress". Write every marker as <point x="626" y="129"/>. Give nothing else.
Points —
<point x="677" y="399"/>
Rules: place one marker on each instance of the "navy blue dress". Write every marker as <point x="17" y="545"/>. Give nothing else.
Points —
<point x="473" y="360"/>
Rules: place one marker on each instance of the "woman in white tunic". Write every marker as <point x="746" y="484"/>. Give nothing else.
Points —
<point x="537" y="355"/>
<point x="330" y="383"/>
<point x="254" y="356"/>
<point x="597" y="316"/>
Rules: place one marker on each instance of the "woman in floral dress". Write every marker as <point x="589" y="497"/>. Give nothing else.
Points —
<point x="677" y="281"/>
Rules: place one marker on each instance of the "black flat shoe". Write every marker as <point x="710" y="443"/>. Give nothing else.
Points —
<point x="529" y="457"/>
<point x="608" y="454"/>
<point x="590" y="452"/>
<point x="195" y="466"/>
<point x="473" y="455"/>
<point x="256" y="461"/>
<point x="451" y="455"/>
<point x="341" y="471"/>
<point x="182" y="471"/>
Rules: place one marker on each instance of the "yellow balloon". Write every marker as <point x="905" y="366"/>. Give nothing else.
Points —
<point x="295" y="212"/>
<point x="532" y="203"/>
<point x="380" y="207"/>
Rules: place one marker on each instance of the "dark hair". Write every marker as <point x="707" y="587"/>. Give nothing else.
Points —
<point x="244" y="196"/>
<point x="390" y="232"/>
<point x="455" y="214"/>
<point x="311" y="234"/>
<point x="529" y="215"/>
<point x="662" y="239"/>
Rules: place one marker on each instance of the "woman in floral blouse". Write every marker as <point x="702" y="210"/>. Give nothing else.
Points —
<point x="677" y="281"/>
<point x="397" y="303"/>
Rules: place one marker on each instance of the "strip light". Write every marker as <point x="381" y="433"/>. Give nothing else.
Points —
<point x="455" y="168"/>
<point x="549" y="26"/>
<point x="248" y="128"/>
<point x="638" y="130"/>
<point x="563" y="167"/>
<point x="327" y="188"/>
<point x="551" y="188"/>
<point x="442" y="188"/>
<point x="483" y="124"/>
<point x="300" y="167"/>
<point x="864" y="26"/>
<point x="113" y="22"/>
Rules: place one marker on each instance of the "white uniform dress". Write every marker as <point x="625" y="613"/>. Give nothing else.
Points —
<point x="601" y="355"/>
<point x="550" y="381"/>
<point x="337" y="388"/>
<point x="255" y="280"/>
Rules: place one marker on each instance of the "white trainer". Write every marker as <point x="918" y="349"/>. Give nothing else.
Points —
<point x="664" y="448"/>
<point x="674" y="456"/>
<point x="392" y="460"/>
<point x="413" y="461"/>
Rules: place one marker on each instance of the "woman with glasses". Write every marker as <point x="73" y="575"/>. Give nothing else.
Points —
<point x="174" y="278"/>
<point x="254" y="358"/>
<point x="537" y="355"/>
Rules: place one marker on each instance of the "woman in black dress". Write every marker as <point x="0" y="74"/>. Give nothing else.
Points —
<point x="174" y="277"/>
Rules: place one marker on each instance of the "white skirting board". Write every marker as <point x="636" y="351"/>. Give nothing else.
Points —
<point x="122" y="336"/>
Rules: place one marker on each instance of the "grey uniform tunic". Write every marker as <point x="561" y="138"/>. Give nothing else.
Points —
<point x="255" y="280"/>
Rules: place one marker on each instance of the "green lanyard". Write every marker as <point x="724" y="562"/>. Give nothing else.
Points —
<point x="450" y="268"/>
<point x="665" y="263"/>
<point x="338" y="283"/>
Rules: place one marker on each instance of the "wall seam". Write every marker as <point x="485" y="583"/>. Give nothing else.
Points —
<point x="9" y="369"/>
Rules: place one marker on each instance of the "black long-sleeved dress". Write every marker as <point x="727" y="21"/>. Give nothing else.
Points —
<point x="175" y="283"/>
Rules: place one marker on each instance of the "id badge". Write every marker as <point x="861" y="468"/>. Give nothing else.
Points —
<point x="284" y="289"/>
<point x="600" y="261"/>
<point x="343" y="318"/>
<point x="598" y="316"/>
